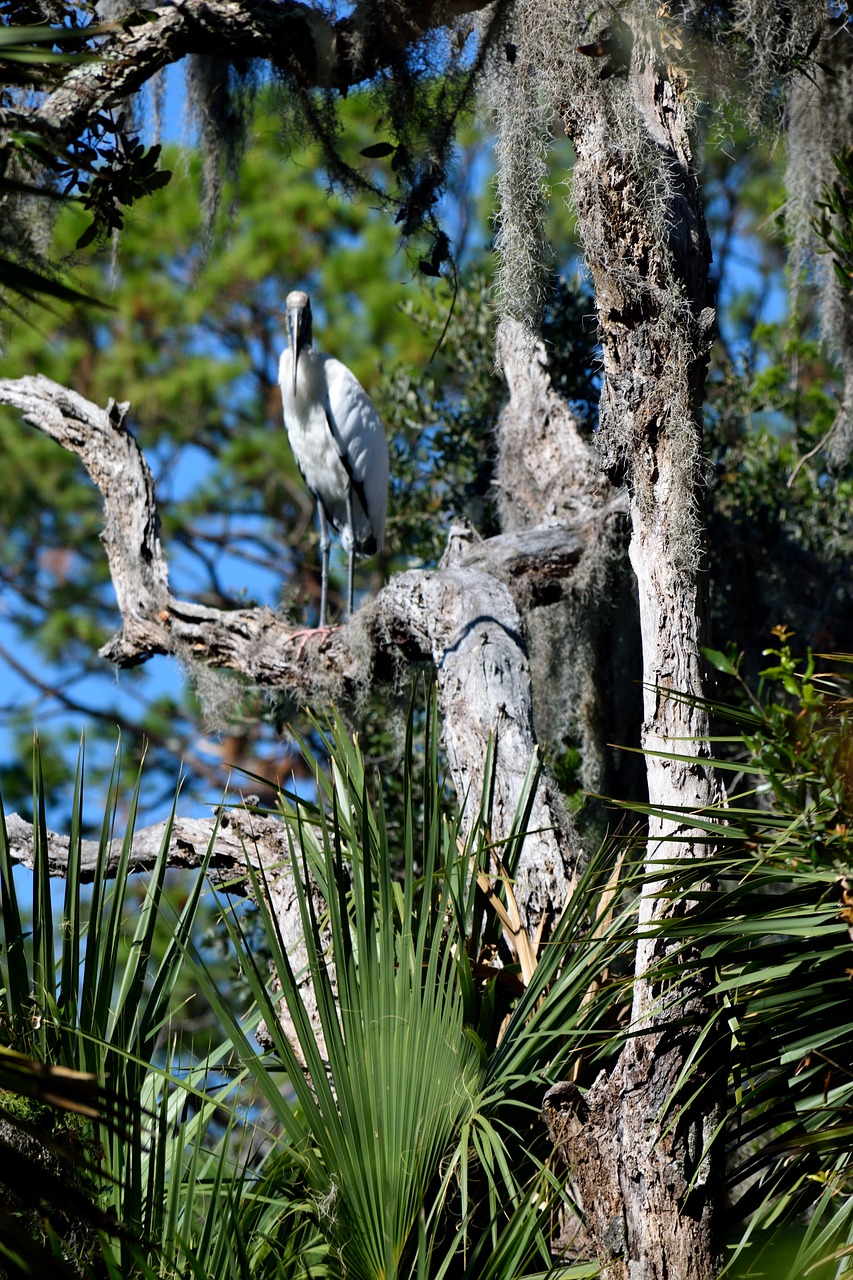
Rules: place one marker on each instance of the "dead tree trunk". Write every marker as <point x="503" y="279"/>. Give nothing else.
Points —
<point x="646" y="1181"/>
<point x="583" y="631"/>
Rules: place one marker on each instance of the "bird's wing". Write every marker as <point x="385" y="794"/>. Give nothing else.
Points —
<point x="355" y="482"/>
<point x="360" y="441"/>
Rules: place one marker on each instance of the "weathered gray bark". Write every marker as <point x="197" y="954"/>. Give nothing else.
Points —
<point x="238" y="835"/>
<point x="583" y="628"/>
<point x="650" y="1193"/>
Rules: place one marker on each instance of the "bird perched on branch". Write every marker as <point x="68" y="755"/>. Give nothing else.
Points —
<point x="338" y="442"/>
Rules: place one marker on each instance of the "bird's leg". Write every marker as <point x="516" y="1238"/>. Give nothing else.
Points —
<point x="351" y="566"/>
<point x="304" y="634"/>
<point x="325" y="544"/>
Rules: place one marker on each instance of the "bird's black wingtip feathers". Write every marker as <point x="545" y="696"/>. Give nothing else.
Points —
<point x="365" y="546"/>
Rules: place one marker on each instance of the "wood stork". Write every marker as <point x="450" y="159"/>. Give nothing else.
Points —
<point x="338" y="442"/>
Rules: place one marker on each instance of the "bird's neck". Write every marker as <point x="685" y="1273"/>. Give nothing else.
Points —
<point x="309" y="375"/>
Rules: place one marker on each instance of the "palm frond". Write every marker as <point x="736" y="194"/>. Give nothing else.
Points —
<point x="409" y="1100"/>
<point x="765" y="924"/>
<point x="93" y="1009"/>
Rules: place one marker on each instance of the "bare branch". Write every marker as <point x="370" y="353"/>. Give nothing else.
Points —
<point x="233" y="834"/>
<point x="238" y="838"/>
<point x="115" y="463"/>
<point x="295" y="38"/>
<point x="463" y="618"/>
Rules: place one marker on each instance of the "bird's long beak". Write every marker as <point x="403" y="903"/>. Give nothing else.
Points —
<point x="294" y="316"/>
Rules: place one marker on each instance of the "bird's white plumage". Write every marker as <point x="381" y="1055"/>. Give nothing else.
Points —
<point x="329" y="398"/>
<point x="338" y="442"/>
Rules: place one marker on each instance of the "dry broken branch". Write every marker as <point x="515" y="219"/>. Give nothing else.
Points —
<point x="235" y="835"/>
<point x="235" y="838"/>
<point x="463" y="618"/>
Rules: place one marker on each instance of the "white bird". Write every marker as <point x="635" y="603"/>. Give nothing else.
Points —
<point x="338" y="442"/>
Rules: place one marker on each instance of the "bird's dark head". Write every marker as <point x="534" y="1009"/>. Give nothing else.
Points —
<point x="298" y="325"/>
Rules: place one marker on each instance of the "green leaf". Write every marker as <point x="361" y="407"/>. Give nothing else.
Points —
<point x="88" y="236"/>
<point x="720" y="661"/>
<point x="844" y="276"/>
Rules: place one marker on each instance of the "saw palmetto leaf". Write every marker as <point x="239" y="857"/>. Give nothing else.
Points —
<point x="84" y="1034"/>
<point x="409" y="1102"/>
<point x="764" y="926"/>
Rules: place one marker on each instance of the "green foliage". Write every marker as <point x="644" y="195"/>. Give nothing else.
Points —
<point x="35" y="167"/>
<point x="417" y="114"/>
<point x="85" y="997"/>
<point x="443" y="417"/>
<point x="413" y="1147"/>
<point x="46" y="1138"/>
<point x="779" y="527"/>
<point x="566" y="769"/>
<point x="834" y="224"/>
<point x="781" y="961"/>
<point x="129" y="173"/>
<point x="779" y="530"/>
<point x="804" y="748"/>
<point x="442" y="421"/>
<point x="765" y="922"/>
<point x="796" y="740"/>
<point x="409" y="1146"/>
<point x="407" y="1142"/>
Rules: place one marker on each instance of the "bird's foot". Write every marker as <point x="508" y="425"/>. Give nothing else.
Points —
<point x="308" y="633"/>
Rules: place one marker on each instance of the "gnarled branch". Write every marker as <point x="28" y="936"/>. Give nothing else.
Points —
<point x="233" y="835"/>
<point x="463" y="618"/>
<point x="296" y="38"/>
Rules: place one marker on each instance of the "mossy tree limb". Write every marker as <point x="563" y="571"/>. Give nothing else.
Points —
<point x="650" y="1195"/>
<point x="292" y="37"/>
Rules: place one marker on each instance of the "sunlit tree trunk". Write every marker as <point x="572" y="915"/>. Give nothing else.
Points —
<point x="636" y="1145"/>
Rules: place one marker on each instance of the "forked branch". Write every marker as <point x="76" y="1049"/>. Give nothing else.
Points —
<point x="462" y="618"/>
